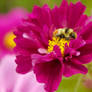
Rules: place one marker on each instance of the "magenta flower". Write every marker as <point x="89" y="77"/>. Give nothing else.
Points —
<point x="54" y="43"/>
<point x="10" y="81"/>
<point x="7" y="24"/>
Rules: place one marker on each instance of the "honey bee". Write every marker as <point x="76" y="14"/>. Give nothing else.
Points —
<point x="65" y="33"/>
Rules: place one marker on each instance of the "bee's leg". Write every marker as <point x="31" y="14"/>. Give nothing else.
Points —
<point x="72" y="35"/>
<point x="62" y="36"/>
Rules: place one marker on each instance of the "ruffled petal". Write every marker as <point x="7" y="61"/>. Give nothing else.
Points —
<point x="37" y="58"/>
<point x="55" y="17"/>
<point x="63" y="11"/>
<point x="82" y="22"/>
<point x="47" y="17"/>
<point x="75" y="12"/>
<point x="40" y="14"/>
<point x="49" y="73"/>
<point x="77" y="43"/>
<point x="86" y="49"/>
<point x="55" y="54"/>
<point x="72" y="68"/>
<point x="26" y="43"/>
<point x="69" y="52"/>
<point x="86" y="33"/>
<point x="24" y="64"/>
<point x="85" y="59"/>
<point x="57" y="51"/>
<point x="48" y="68"/>
<point x="43" y="15"/>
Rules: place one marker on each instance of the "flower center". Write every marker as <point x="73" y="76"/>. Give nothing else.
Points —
<point x="9" y="40"/>
<point x="60" y="38"/>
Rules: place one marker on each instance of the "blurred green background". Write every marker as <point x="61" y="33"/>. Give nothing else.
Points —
<point x="75" y="83"/>
<point x="6" y="5"/>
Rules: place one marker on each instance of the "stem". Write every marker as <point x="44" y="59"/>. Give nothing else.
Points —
<point x="77" y="84"/>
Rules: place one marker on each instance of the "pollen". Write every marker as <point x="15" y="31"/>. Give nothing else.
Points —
<point x="61" y="37"/>
<point x="9" y="40"/>
<point x="59" y="42"/>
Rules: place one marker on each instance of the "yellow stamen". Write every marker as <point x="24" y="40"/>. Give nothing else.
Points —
<point x="59" y="42"/>
<point x="9" y="40"/>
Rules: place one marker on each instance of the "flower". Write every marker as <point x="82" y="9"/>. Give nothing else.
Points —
<point x="54" y="43"/>
<point x="87" y="79"/>
<point x="10" y="81"/>
<point x="88" y="83"/>
<point x="7" y="25"/>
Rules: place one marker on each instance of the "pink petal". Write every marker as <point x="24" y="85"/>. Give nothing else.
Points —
<point x="10" y="81"/>
<point x="75" y="13"/>
<point x="8" y="75"/>
<point x="85" y="59"/>
<point x="49" y="73"/>
<point x="72" y="68"/>
<point x="28" y="83"/>
<point x="24" y="64"/>
<point x="77" y="43"/>
<point x="86" y="49"/>
<point x="86" y="33"/>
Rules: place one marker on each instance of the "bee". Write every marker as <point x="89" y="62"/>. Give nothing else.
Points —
<point x="65" y="33"/>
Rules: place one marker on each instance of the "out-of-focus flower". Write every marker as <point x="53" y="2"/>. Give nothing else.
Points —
<point x="7" y="25"/>
<point x="88" y="83"/>
<point x="87" y="79"/>
<point x="10" y="81"/>
<point x="54" y="43"/>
